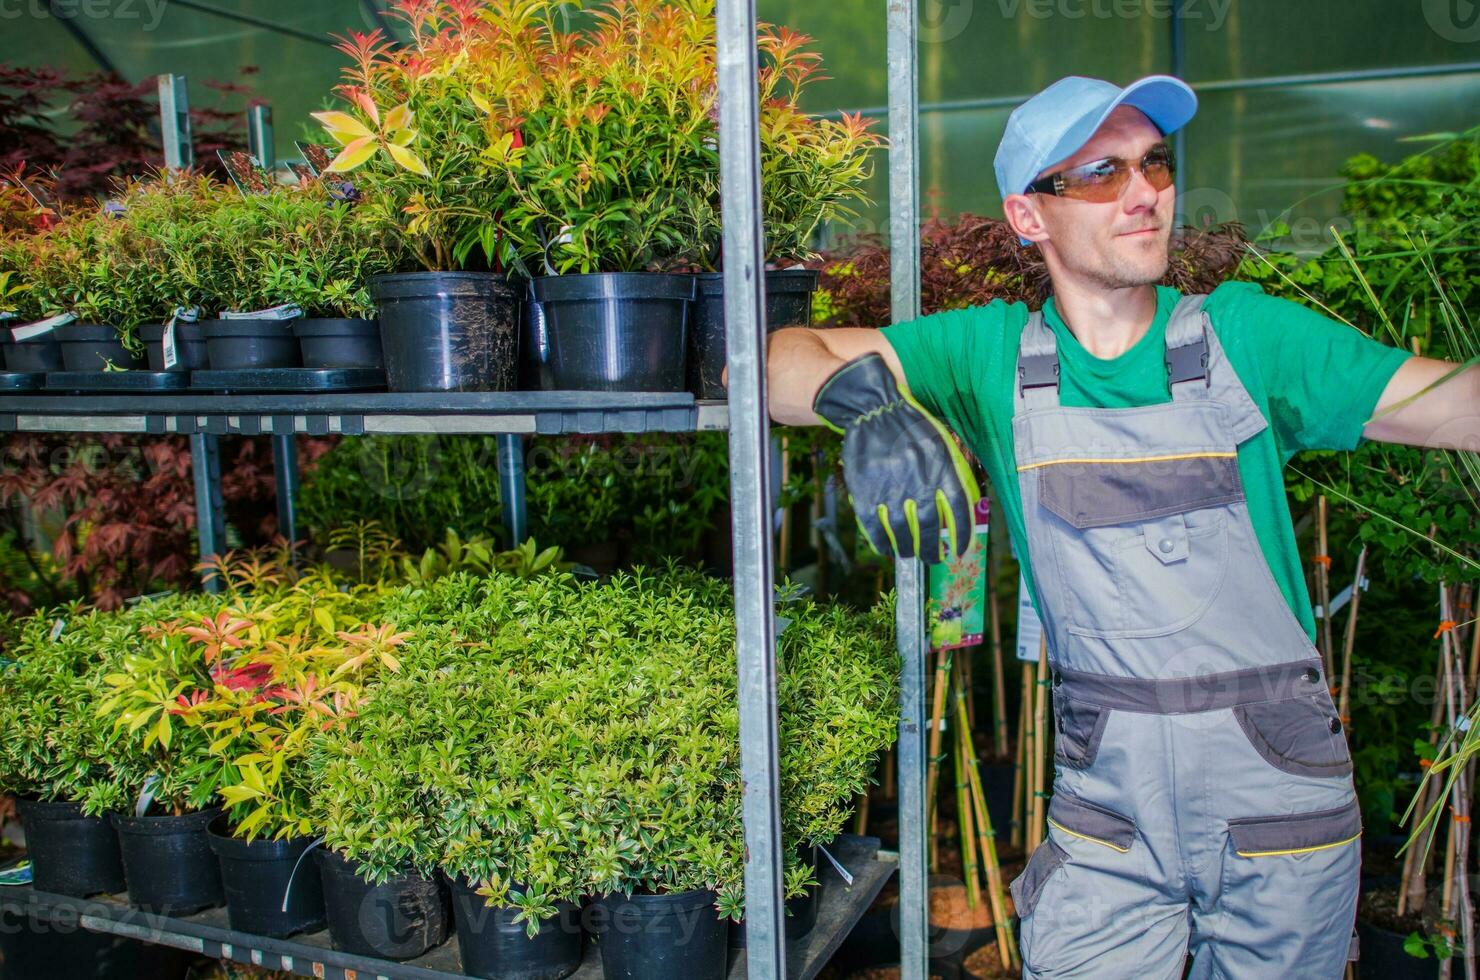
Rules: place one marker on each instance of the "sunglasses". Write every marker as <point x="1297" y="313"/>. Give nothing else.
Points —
<point x="1102" y="180"/>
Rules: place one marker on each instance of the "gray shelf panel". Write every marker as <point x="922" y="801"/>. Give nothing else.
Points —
<point x="209" y="934"/>
<point x="469" y="413"/>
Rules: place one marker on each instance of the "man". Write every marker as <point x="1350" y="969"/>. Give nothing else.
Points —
<point x="1203" y="799"/>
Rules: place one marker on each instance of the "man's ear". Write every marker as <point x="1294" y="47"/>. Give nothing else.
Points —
<point x="1023" y="217"/>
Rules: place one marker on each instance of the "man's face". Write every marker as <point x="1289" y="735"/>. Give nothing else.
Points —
<point x="1119" y="243"/>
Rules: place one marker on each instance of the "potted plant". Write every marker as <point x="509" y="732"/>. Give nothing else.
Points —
<point x="55" y="752"/>
<point x="253" y="327"/>
<point x="410" y="131"/>
<point x="813" y="171"/>
<point x="618" y="135"/>
<point x="21" y="219"/>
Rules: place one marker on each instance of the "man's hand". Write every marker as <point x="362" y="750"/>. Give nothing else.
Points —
<point x="906" y="477"/>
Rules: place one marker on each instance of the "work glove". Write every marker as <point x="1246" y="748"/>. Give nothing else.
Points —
<point x="906" y="476"/>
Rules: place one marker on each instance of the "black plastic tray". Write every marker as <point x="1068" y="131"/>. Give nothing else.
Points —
<point x="289" y="380"/>
<point x="118" y="381"/>
<point x="21" y="381"/>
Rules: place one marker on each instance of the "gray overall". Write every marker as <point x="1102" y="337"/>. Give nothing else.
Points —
<point x="1202" y="799"/>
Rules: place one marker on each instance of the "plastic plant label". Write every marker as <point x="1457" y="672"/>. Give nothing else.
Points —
<point x="842" y="871"/>
<point x="182" y="314"/>
<point x="288" y="888"/>
<point x="1030" y="628"/>
<point x="286" y="311"/>
<point x="56" y="629"/>
<point x="15" y="876"/>
<point x="40" y="328"/>
<point x="146" y="795"/>
<point x="958" y="589"/>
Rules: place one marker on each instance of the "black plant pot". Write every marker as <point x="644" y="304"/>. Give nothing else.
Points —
<point x="339" y="343"/>
<point x="398" y="920"/>
<point x="93" y="346"/>
<point x="493" y="945"/>
<point x="168" y="862"/>
<point x="801" y="911"/>
<point x="71" y="854"/>
<point x="448" y="331"/>
<point x="1383" y="956"/>
<point x="238" y="345"/>
<point x="616" y="331"/>
<point x="788" y="304"/>
<point x="256" y="876"/>
<point x="190" y="346"/>
<point x="644" y="936"/>
<point x="33" y="356"/>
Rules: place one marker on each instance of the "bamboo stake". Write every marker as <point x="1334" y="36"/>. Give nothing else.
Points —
<point x="1456" y="874"/>
<point x="999" y="682"/>
<point x="968" y="682"/>
<point x="937" y="714"/>
<point x="969" y="869"/>
<point x="1415" y="859"/>
<point x="889" y="775"/>
<point x="860" y="821"/>
<point x="1020" y="761"/>
<point x="1040" y="745"/>
<point x="1348" y="642"/>
<point x="783" y="546"/>
<point x="996" y="894"/>
<point x="1322" y="561"/>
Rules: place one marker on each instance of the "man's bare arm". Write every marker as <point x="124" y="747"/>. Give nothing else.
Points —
<point x="800" y="359"/>
<point x="1447" y="417"/>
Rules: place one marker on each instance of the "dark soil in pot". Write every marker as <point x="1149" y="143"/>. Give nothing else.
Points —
<point x="448" y="331"/>
<point x="34" y="356"/>
<point x="339" y="343"/>
<point x="616" y="331"/>
<point x="493" y="945"/>
<point x="93" y="346"/>
<point x="1381" y="933"/>
<point x="71" y="854"/>
<point x="675" y="935"/>
<point x="257" y="874"/>
<point x="168" y="862"/>
<point x="239" y="345"/>
<point x="190" y="346"/>
<point x="788" y="304"/>
<point x="398" y="920"/>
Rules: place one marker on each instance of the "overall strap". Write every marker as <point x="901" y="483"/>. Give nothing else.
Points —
<point x="1038" y="365"/>
<point x="1187" y="349"/>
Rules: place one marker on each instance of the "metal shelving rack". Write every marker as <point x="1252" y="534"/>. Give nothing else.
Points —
<point x="509" y="416"/>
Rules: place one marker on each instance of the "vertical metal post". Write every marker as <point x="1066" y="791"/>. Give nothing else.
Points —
<point x="285" y="474"/>
<point x="904" y="285"/>
<point x="511" y="486"/>
<point x="750" y="482"/>
<point x="210" y="518"/>
<point x="174" y="122"/>
<point x="1179" y="65"/>
<point x="259" y="136"/>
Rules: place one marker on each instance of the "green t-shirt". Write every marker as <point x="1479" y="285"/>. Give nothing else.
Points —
<point x="1316" y="380"/>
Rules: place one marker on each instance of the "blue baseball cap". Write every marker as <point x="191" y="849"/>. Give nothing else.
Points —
<point x="1055" y="123"/>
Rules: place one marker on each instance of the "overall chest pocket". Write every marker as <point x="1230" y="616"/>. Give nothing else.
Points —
<point x="1141" y="545"/>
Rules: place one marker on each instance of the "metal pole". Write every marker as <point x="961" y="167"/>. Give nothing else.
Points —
<point x="750" y="482"/>
<point x="511" y="487"/>
<point x="210" y="528"/>
<point x="259" y="136"/>
<point x="174" y="122"/>
<point x="904" y="289"/>
<point x="285" y="473"/>
<point x="1179" y="66"/>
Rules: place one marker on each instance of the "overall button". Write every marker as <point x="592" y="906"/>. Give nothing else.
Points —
<point x="1335" y="726"/>
<point x="1166" y="545"/>
<point x="1312" y="675"/>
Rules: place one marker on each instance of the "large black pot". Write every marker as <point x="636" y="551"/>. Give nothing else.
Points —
<point x="339" y="343"/>
<point x="71" y="854"/>
<point x="493" y="945"/>
<point x="1382" y="956"/>
<point x="801" y="911"/>
<point x="168" y="862"/>
<point x="788" y="304"/>
<point x="398" y="920"/>
<point x="35" y="356"/>
<point x="190" y="346"/>
<point x="93" y="346"/>
<point x="241" y="345"/>
<point x="616" y="331"/>
<point x="257" y="874"/>
<point x="644" y="936"/>
<point x="448" y="331"/>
